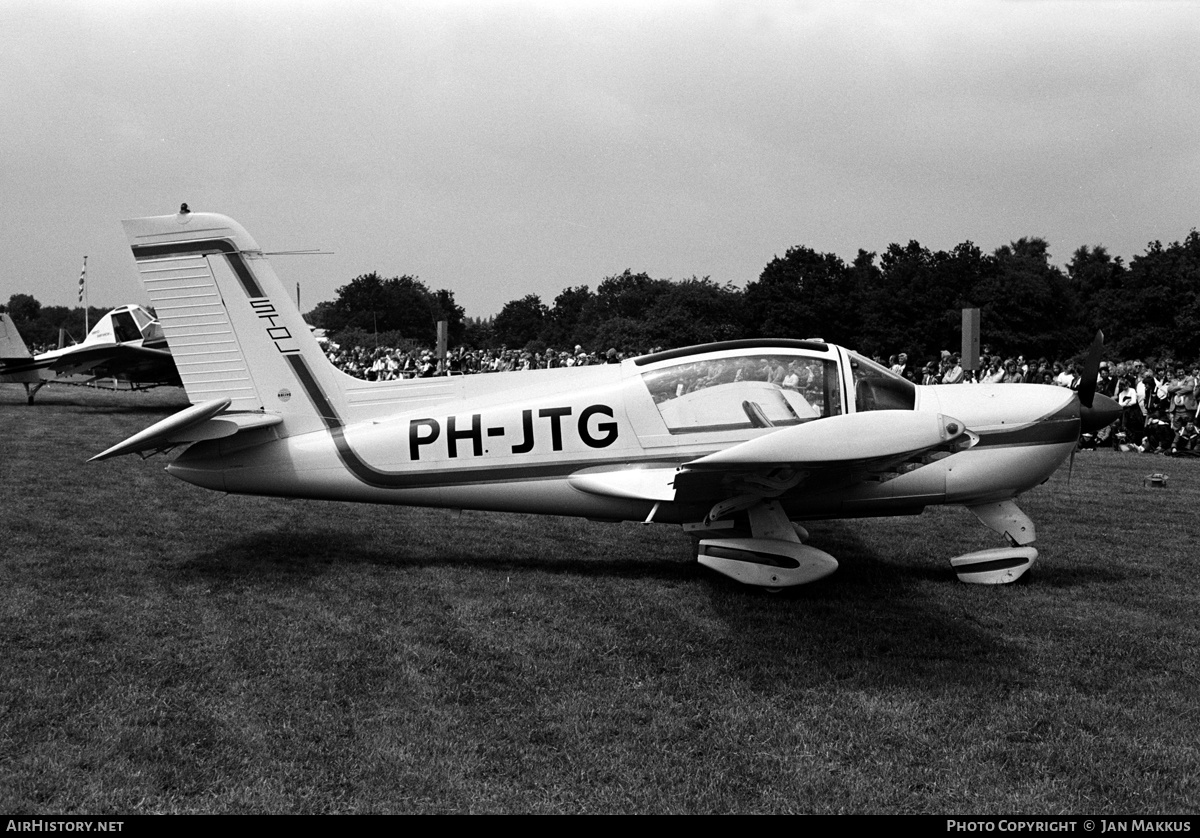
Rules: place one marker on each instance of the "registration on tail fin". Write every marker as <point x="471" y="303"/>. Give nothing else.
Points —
<point x="232" y="329"/>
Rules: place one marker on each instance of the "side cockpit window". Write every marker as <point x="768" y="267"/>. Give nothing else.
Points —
<point x="744" y="392"/>
<point x="878" y="388"/>
<point x="124" y="327"/>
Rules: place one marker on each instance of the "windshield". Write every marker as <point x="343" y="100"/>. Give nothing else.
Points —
<point x="878" y="388"/>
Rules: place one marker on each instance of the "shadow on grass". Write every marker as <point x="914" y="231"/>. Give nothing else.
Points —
<point x="875" y="622"/>
<point x="304" y="554"/>
<point x="874" y="619"/>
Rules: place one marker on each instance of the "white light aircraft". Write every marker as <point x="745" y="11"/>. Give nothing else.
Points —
<point x="124" y="350"/>
<point x="733" y="441"/>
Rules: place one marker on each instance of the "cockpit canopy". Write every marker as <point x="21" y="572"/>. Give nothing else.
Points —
<point x="754" y="391"/>
<point x="773" y="385"/>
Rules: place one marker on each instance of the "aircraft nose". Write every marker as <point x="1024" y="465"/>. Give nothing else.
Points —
<point x="1103" y="412"/>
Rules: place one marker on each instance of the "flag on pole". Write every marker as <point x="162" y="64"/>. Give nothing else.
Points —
<point x="82" y="275"/>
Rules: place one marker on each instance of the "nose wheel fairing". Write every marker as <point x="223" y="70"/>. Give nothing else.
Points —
<point x="998" y="566"/>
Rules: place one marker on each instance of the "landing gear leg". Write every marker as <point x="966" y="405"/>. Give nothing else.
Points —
<point x="1001" y="565"/>
<point x="29" y="394"/>
<point x="773" y="557"/>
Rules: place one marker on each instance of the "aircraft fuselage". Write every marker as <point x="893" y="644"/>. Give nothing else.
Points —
<point x="519" y="442"/>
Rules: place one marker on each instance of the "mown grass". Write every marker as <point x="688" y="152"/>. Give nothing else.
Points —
<point x="167" y="649"/>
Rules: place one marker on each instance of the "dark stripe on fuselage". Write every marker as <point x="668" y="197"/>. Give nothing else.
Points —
<point x="312" y="389"/>
<point x="203" y="247"/>
<point x="353" y="463"/>
<point x="1044" y="432"/>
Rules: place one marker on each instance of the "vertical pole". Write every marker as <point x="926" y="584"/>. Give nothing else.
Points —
<point x="970" y="339"/>
<point x="83" y="298"/>
<point x="443" y="331"/>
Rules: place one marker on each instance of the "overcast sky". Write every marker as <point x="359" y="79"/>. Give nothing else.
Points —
<point x="500" y="149"/>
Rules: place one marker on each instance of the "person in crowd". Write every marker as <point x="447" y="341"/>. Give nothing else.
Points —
<point x="1159" y="436"/>
<point x="1105" y="383"/>
<point x="1131" y="423"/>
<point x="1012" y="373"/>
<point x="1187" y="440"/>
<point x="992" y="370"/>
<point x="1152" y="391"/>
<point x="1065" y="375"/>
<point x="1182" y="391"/>
<point x="954" y="372"/>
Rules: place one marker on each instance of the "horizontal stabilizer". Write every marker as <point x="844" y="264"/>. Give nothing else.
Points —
<point x="856" y="438"/>
<point x="196" y="423"/>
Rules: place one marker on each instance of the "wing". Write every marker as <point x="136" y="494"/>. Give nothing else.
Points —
<point x="141" y="364"/>
<point x="836" y="451"/>
<point x="839" y="449"/>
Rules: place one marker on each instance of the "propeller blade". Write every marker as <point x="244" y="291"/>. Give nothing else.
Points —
<point x="1091" y="371"/>
<point x="1096" y="411"/>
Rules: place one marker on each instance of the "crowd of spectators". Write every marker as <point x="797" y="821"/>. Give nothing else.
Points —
<point x="390" y="363"/>
<point x="1158" y="401"/>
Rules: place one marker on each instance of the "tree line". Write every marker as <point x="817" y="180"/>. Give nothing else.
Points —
<point x="906" y="299"/>
<point x="40" y="325"/>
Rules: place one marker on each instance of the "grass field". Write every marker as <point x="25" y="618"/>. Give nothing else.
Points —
<point x="167" y="649"/>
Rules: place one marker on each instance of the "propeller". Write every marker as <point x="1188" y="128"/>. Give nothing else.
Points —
<point x="1095" y="411"/>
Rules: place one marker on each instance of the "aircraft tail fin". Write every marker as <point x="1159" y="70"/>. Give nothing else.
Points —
<point x="233" y="330"/>
<point x="12" y="347"/>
